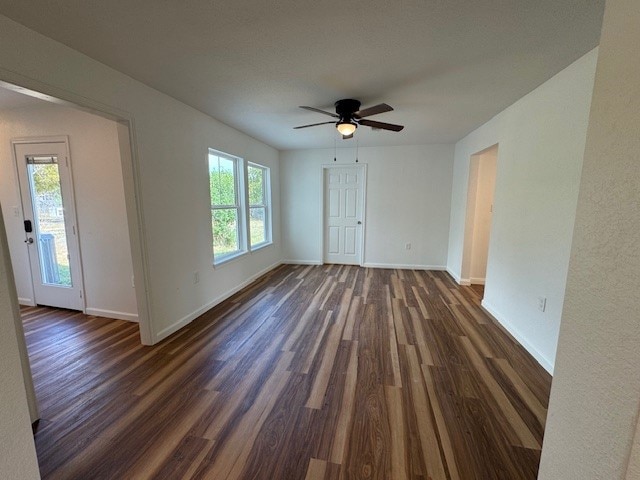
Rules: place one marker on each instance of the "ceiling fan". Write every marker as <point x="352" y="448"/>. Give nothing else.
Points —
<point x="349" y="116"/>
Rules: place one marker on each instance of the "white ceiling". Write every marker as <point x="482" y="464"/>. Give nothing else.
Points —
<point x="446" y="66"/>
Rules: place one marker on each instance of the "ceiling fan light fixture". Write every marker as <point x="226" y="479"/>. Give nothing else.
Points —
<point x="346" y="128"/>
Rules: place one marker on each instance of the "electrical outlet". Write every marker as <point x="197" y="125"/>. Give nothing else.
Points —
<point x="196" y="277"/>
<point x="16" y="211"/>
<point x="542" y="303"/>
<point x="133" y="281"/>
<point x="407" y="246"/>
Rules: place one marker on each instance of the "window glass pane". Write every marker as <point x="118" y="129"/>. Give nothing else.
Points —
<point x="222" y="181"/>
<point x="225" y="231"/>
<point x="257" y="225"/>
<point x="214" y="179"/>
<point x="49" y="222"/>
<point x="256" y="185"/>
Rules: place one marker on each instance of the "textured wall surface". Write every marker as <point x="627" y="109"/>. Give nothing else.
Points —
<point x="17" y="451"/>
<point x="596" y="388"/>
<point x="633" y="469"/>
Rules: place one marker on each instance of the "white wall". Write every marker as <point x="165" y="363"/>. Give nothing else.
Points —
<point x="408" y="195"/>
<point x="482" y="181"/>
<point x="633" y="468"/>
<point x="170" y="142"/>
<point x="17" y="450"/>
<point x="541" y="144"/>
<point x="595" y="394"/>
<point x="100" y="207"/>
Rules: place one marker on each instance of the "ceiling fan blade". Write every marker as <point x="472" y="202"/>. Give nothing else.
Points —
<point x="347" y="137"/>
<point x="320" y="111"/>
<point x="312" y="125"/>
<point x="367" y="112"/>
<point x="381" y="125"/>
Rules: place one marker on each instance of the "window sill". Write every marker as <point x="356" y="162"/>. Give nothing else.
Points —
<point x="229" y="258"/>
<point x="260" y="246"/>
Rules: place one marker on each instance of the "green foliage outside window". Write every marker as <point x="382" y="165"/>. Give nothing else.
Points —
<point x="46" y="180"/>
<point x="224" y="221"/>
<point x="256" y="188"/>
<point x="257" y="207"/>
<point x="226" y="204"/>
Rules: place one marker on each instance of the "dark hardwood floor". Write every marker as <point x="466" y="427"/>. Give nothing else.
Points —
<point x="479" y="289"/>
<point x="310" y="373"/>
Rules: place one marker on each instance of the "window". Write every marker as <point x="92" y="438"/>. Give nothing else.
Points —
<point x="236" y="210"/>
<point x="227" y="205"/>
<point x="259" y="214"/>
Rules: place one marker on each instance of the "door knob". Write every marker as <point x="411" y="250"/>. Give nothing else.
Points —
<point x="359" y="222"/>
<point x="29" y="240"/>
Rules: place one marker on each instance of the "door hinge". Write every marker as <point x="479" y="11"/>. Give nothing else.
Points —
<point x="74" y="229"/>
<point x="66" y="161"/>
<point x="80" y="293"/>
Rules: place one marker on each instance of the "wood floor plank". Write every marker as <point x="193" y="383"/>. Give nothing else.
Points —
<point x="316" y="397"/>
<point x="162" y="448"/>
<point x="351" y="318"/>
<point x="472" y="309"/>
<point x="393" y="343"/>
<point x="421" y="340"/>
<point x="521" y="429"/>
<point x="396" y="424"/>
<point x="346" y="409"/>
<point x="306" y="366"/>
<point x="316" y="470"/>
<point x="441" y="424"/>
<point x="471" y="332"/>
<point x="428" y="434"/>
<point x="327" y="372"/>
<point x="230" y="460"/>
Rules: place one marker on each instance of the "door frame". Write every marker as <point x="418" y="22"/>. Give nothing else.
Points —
<point x="72" y="201"/>
<point x="470" y="217"/>
<point x="130" y="162"/>
<point x="363" y="199"/>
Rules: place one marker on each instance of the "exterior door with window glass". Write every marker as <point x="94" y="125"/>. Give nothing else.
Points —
<point x="343" y="208"/>
<point x="50" y="231"/>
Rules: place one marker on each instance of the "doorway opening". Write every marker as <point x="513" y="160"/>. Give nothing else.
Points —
<point x="343" y="208"/>
<point x="68" y="183"/>
<point x="481" y="188"/>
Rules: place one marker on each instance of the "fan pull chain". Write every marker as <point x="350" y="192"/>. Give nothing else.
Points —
<point x="335" y="149"/>
<point x="357" y="149"/>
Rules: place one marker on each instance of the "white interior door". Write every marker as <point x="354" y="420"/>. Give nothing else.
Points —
<point x="50" y="228"/>
<point x="343" y="214"/>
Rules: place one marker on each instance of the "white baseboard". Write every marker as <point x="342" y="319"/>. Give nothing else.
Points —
<point x="99" y="312"/>
<point x="26" y="302"/>
<point x="399" y="266"/>
<point x="457" y="278"/>
<point x="164" y="333"/>
<point x="402" y="266"/>
<point x="301" y="262"/>
<point x="476" y="281"/>
<point x="541" y="359"/>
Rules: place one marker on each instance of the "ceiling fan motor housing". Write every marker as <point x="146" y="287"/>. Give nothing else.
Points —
<point x="346" y="108"/>
<point x="350" y="117"/>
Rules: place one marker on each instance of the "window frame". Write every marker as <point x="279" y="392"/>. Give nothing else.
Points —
<point x="266" y="205"/>
<point x="239" y="177"/>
